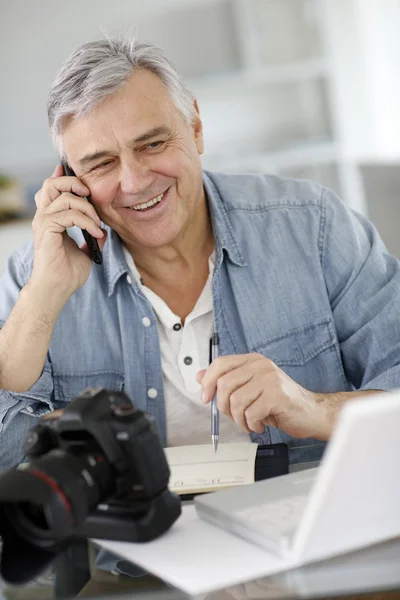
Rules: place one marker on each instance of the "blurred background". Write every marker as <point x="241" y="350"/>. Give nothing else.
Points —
<point x="306" y="88"/>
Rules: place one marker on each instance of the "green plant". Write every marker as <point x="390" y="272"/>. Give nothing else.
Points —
<point x="6" y="182"/>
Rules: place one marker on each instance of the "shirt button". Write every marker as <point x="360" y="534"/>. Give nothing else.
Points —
<point x="188" y="360"/>
<point x="152" y="393"/>
<point x="129" y="279"/>
<point x="146" y="321"/>
<point x="177" y="327"/>
<point x="29" y="409"/>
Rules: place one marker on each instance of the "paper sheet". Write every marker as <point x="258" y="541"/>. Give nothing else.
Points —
<point x="199" y="469"/>
<point x="198" y="557"/>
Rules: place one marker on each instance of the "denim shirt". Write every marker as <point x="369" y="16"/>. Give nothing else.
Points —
<point x="298" y="277"/>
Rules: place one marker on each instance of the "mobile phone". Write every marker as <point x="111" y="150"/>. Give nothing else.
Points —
<point x="94" y="250"/>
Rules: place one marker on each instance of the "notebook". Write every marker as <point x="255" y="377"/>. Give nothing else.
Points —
<point x="197" y="469"/>
<point x="350" y="501"/>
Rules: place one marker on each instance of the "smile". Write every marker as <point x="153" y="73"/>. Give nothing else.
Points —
<point x="148" y="204"/>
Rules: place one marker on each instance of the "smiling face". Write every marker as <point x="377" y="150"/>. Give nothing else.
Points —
<point x="141" y="162"/>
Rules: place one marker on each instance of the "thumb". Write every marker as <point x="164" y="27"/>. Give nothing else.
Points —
<point x="102" y="241"/>
<point x="200" y="375"/>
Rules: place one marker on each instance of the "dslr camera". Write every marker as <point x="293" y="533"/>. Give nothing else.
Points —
<point x="97" y="470"/>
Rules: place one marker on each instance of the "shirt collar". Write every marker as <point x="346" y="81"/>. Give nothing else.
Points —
<point x="223" y="232"/>
<point x="114" y="262"/>
<point x="131" y="264"/>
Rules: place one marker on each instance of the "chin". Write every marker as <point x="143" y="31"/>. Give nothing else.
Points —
<point x="150" y="241"/>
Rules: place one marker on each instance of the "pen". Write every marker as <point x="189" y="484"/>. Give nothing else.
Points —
<point x="214" y="342"/>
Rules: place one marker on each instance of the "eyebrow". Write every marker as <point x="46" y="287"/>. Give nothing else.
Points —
<point x="89" y="158"/>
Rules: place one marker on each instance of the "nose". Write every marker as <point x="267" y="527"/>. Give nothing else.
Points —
<point x="135" y="177"/>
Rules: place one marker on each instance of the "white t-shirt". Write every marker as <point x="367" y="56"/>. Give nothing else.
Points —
<point x="184" y="351"/>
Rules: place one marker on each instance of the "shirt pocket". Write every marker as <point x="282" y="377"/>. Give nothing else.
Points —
<point x="310" y="355"/>
<point x="68" y="386"/>
<point x="298" y="346"/>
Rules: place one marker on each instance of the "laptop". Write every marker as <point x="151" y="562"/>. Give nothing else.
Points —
<point x="350" y="501"/>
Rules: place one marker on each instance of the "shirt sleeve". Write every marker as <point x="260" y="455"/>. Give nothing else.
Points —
<point x="363" y="284"/>
<point x="38" y="400"/>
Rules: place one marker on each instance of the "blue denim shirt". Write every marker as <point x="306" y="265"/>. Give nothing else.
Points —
<point x="298" y="277"/>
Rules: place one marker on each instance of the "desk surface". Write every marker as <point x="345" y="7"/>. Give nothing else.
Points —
<point x="374" y="571"/>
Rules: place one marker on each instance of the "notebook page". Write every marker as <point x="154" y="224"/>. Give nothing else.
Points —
<point x="196" y="469"/>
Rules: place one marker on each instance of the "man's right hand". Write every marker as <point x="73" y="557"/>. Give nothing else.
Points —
<point x="59" y="269"/>
<point x="59" y="264"/>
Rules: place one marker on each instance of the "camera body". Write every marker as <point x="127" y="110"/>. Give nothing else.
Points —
<point x="96" y="469"/>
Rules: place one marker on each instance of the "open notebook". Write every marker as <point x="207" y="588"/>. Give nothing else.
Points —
<point x="197" y="469"/>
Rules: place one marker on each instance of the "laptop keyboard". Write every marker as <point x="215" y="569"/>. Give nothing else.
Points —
<point x="282" y="515"/>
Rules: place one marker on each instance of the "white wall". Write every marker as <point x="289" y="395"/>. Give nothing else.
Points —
<point x="382" y="57"/>
<point x="364" y="41"/>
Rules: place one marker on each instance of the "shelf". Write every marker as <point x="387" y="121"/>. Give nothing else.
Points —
<point x="198" y="37"/>
<point x="296" y="71"/>
<point x="275" y="32"/>
<point x="310" y="154"/>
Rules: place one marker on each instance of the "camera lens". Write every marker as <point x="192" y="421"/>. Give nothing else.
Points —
<point x="54" y="495"/>
<point x="31" y="523"/>
<point x="33" y="513"/>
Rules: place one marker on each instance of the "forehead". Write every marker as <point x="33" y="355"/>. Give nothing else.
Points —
<point x="140" y="105"/>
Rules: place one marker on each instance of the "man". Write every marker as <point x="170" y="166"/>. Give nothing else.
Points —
<point x="300" y="290"/>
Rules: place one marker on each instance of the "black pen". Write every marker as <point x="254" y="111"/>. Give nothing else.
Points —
<point x="214" y="342"/>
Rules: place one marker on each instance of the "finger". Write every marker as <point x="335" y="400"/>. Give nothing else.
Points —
<point x="200" y="375"/>
<point x="271" y="422"/>
<point x="220" y="366"/>
<point x="58" y="171"/>
<point x="55" y="186"/>
<point x="228" y="384"/>
<point x="242" y="398"/>
<point x="71" y="218"/>
<point x="261" y="412"/>
<point x="84" y="247"/>
<point x="69" y="201"/>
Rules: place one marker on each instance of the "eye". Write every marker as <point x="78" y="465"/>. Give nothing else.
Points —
<point x="155" y="145"/>
<point x="101" y="165"/>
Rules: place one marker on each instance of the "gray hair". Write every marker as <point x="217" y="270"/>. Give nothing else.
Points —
<point x="98" y="69"/>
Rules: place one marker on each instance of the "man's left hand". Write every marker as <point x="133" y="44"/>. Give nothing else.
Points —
<point x="254" y="392"/>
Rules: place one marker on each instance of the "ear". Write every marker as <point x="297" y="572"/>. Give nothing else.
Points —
<point x="198" y="129"/>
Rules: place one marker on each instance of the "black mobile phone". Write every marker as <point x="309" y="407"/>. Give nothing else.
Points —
<point x="94" y="250"/>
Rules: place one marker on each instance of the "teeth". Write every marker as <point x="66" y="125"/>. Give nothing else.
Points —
<point x="148" y="204"/>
